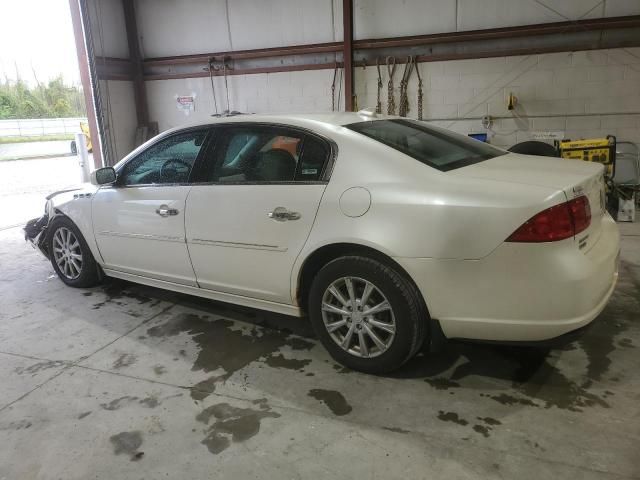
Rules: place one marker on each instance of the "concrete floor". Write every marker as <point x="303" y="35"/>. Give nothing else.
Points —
<point x="25" y="183"/>
<point x="129" y="382"/>
<point x="34" y="149"/>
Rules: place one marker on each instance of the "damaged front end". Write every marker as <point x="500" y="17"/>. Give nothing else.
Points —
<point x="35" y="232"/>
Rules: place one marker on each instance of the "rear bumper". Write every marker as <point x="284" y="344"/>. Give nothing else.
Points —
<point x="520" y="292"/>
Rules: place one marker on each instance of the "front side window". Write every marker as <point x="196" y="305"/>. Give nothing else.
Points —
<point x="168" y="161"/>
<point x="265" y="154"/>
<point x="432" y="146"/>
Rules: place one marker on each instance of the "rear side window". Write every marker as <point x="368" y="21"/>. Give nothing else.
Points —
<point x="435" y="147"/>
<point x="259" y="154"/>
<point x="315" y="154"/>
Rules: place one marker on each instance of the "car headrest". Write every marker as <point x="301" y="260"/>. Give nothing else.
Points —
<point x="275" y="165"/>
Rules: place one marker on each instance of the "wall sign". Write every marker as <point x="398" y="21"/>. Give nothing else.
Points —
<point x="541" y="135"/>
<point x="186" y="103"/>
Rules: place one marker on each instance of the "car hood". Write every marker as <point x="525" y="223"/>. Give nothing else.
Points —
<point x="82" y="188"/>
<point x="556" y="173"/>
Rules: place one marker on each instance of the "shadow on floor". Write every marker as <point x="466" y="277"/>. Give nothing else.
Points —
<point x="531" y="374"/>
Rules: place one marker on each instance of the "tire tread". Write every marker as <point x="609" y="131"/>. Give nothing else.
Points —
<point x="418" y="317"/>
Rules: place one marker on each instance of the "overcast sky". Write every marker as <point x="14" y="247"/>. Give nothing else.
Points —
<point x="38" y="33"/>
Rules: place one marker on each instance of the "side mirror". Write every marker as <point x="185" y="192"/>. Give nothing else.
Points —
<point x="103" y="176"/>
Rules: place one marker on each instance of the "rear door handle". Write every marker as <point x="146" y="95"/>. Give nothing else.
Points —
<point x="281" y="214"/>
<point x="165" y="211"/>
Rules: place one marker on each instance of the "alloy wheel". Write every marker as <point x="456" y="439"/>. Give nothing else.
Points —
<point x="67" y="253"/>
<point x="358" y="317"/>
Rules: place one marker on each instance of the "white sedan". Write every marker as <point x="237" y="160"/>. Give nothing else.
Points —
<point x="388" y="233"/>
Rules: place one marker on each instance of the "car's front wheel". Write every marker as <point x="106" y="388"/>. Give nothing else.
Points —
<point x="70" y="255"/>
<point x="368" y="315"/>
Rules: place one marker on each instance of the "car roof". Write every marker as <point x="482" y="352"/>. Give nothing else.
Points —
<point x="309" y="120"/>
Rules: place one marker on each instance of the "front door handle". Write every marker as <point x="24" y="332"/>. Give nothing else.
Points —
<point x="281" y="214"/>
<point x="165" y="211"/>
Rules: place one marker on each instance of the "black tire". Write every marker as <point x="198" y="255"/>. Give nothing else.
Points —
<point x="534" y="147"/>
<point x="409" y="312"/>
<point x="89" y="272"/>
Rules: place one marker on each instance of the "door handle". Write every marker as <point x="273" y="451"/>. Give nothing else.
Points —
<point x="281" y="214"/>
<point x="165" y="211"/>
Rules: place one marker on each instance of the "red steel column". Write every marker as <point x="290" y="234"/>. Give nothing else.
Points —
<point x="85" y="78"/>
<point x="139" y="88"/>
<point x="347" y="53"/>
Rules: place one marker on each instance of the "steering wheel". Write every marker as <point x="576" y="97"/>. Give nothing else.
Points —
<point x="164" y="166"/>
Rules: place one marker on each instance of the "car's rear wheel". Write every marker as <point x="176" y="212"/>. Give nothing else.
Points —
<point x="70" y="255"/>
<point x="368" y="315"/>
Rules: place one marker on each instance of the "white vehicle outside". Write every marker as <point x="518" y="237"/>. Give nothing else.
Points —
<point x="387" y="233"/>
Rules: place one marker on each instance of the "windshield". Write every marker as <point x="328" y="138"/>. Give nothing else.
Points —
<point x="436" y="147"/>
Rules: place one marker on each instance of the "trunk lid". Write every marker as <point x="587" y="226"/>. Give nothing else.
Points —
<point x="573" y="177"/>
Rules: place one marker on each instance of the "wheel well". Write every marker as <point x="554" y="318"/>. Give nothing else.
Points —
<point x="326" y="254"/>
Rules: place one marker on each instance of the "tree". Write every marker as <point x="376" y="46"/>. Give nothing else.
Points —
<point x="53" y="100"/>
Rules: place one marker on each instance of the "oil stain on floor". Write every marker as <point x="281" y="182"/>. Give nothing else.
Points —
<point x="119" y="292"/>
<point x="227" y="424"/>
<point x="124" y="360"/>
<point x="489" y="423"/>
<point x="332" y="399"/>
<point x="223" y="346"/>
<point x="116" y="404"/>
<point x="127" y="443"/>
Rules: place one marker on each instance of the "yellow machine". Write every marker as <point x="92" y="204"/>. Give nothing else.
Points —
<point x="84" y="127"/>
<point x="601" y="150"/>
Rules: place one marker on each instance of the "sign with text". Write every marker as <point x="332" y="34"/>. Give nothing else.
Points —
<point x="541" y="135"/>
<point x="186" y="103"/>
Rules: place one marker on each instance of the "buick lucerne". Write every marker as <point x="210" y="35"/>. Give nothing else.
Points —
<point x="387" y="233"/>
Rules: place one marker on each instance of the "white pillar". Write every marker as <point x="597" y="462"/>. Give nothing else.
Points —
<point x="83" y="157"/>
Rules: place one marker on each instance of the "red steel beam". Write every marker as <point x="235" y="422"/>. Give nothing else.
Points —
<point x="347" y="53"/>
<point x="85" y="78"/>
<point x="245" y="71"/>
<point x="415" y="40"/>
<point x="140" y="91"/>
<point x="372" y="44"/>
<point x="247" y="54"/>
<point x="501" y="33"/>
<point x="512" y="52"/>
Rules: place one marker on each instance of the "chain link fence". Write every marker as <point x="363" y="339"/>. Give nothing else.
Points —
<point x="40" y="127"/>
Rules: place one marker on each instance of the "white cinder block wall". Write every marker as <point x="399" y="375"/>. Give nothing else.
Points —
<point x="199" y="26"/>
<point x="581" y="94"/>
<point x="307" y="91"/>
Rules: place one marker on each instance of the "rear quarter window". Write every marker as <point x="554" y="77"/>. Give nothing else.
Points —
<point x="435" y="147"/>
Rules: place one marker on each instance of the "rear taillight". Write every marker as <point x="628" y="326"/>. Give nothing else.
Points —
<point x="555" y="223"/>
<point x="581" y="213"/>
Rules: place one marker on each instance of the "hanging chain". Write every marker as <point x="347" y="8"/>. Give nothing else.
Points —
<point x="338" y="105"/>
<point x="213" y="89"/>
<point x="391" y="69"/>
<point x="404" y="83"/>
<point x="355" y="95"/>
<point x="333" y="89"/>
<point x="420" y="95"/>
<point x="226" y="86"/>
<point x="379" y="100"/>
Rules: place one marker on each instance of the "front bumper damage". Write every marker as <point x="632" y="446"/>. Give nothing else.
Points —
<point x="35" y="232"/>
